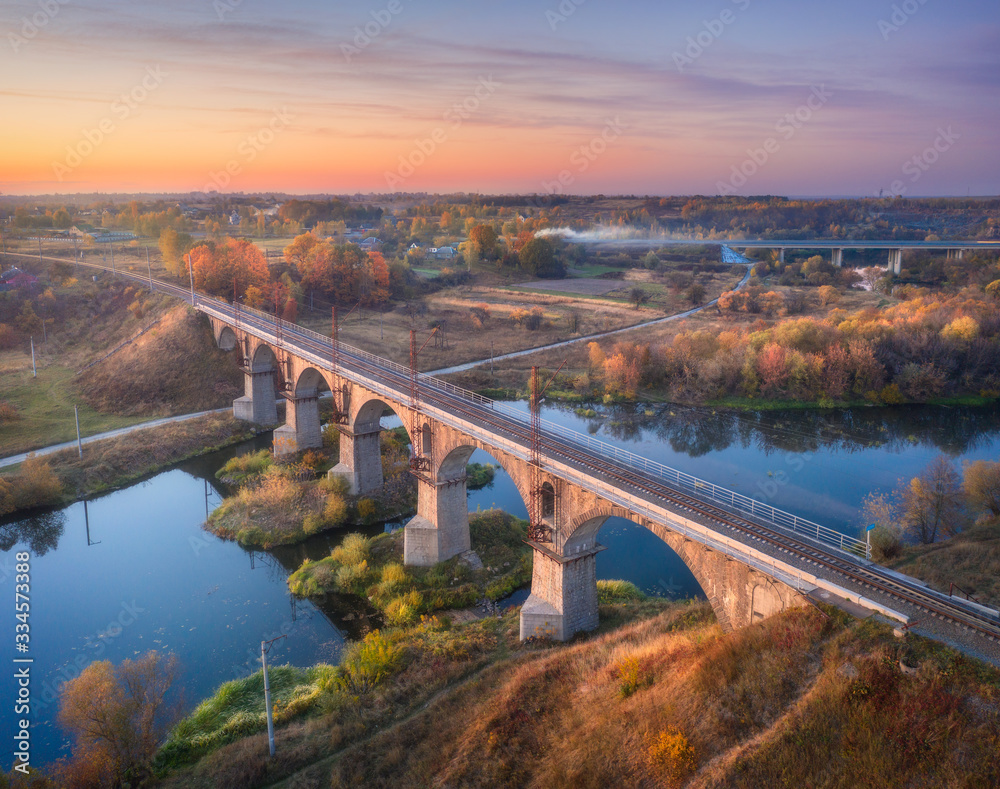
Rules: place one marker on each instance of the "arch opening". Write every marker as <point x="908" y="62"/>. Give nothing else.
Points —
<point x="650" y="557"/>
<point x="227" y="339"/>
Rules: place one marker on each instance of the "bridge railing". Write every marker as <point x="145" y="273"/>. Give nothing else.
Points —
<point x="700" y="488"/>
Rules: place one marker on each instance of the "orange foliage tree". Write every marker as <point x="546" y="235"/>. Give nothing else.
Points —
<point x="118" y="716"/>
<point x="218" y="266"/>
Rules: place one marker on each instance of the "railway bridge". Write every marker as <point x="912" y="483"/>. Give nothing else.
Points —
<point x="571" y="483"/>
<point x="751" y="559"/>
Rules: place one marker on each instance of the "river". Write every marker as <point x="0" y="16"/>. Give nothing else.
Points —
<point x="134" y="570"/>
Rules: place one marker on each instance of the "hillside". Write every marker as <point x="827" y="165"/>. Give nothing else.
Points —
<point x="807" y="698"/>
<point x="174" y="368"/>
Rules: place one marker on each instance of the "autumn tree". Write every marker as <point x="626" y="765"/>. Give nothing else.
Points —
<point x="932" y="502"/>
<point x="217" y="266"/>
<point x="696" y="293"/>
<point x="828" y="295"/>
<point x="173" y="247"/>
<point x="485" y="239"/>
<point x="595" y="359"/>
<point x="119" y="715"/>
<point x="638" y="296"/>
<point x="981" y="484"/>
<point x="538" y="257"/>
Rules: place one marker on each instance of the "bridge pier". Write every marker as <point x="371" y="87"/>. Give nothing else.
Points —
<point x="440" y="529"/>
<point x="360" y="459"/>
<point x="896" y="261"/>
<point x="563" y="599"/>
<point x="302" y="429"/>
<point x="781" y="255"/>
<point x="838" y="258"/>
<point x="258" y="403"/>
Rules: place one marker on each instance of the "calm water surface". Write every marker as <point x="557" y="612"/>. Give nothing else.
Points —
<point x="134" y="570"/>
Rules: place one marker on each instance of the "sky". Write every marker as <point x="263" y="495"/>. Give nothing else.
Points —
<point x="792" y="97"/>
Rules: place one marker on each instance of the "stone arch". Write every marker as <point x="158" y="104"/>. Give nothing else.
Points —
<point x="739" y="594"/>
<point x="367" y="418"/>
<point x="226" y="339"/>
<point x="582" y="537"/>
<point x="310" y="383"/>
<point x="453" y="465"/>
<point x="264" y="357"/>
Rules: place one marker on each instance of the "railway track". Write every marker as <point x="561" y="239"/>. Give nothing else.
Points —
<point x="637" y="481"/>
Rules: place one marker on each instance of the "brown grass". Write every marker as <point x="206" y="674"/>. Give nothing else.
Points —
<point x="971" y="560"/>
<point x="797" y="700"/>
<point x="175" y="368"/>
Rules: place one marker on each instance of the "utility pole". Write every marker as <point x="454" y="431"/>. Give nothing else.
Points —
<point x="113" y="273"/>
<point x="79" y="443"/>
<point x="149" y="271"/>
<point x="191" y="275"/>
<point x="34" y="372"/>
<point x="265" y="647"/>
<point x="39" y="250"/>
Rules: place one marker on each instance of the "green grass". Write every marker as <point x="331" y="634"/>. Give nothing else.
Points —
<point x="371" y="568"/>
<point x="45" y="410"/>
<point x="237" y="710"/>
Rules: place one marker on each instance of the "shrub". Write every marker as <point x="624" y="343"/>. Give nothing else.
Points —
<point x="367" y="510"/>
<point x="350" y="575"/>
<point x="353" y="550"/>
<point x="671" y="755"/>
<point x="312" y="459"/>
<point x="335" y="511"/>
<point x="886" y="543"/>
<point x="609" y="592"/>
<point x="8" y="413"/>
<point x="405" y="609"/>
<point x="36" y="485"/>
<point x="629" y="676"/>
<point x="365" y="664"/>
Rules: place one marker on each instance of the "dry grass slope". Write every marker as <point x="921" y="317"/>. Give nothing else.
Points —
<point x="174" y="369"/>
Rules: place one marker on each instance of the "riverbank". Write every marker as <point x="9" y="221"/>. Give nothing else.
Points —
<point x="115" y="462"/>
<point x="658" y="696"/>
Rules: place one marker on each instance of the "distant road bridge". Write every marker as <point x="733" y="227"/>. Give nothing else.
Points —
<point x="895" y="249"/>
<point x="752" y="560"/>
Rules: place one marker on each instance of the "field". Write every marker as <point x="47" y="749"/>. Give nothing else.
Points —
<point x="513" y="373"/>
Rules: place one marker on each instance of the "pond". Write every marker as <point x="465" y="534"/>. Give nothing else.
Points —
<point x="134" y="570"/>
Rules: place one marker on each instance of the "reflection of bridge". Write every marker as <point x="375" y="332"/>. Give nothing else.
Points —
<point x="751" y="560"/>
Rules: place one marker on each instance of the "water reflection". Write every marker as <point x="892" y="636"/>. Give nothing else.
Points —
<point x="699" y="431"/>
<point x="39" y="532"/>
